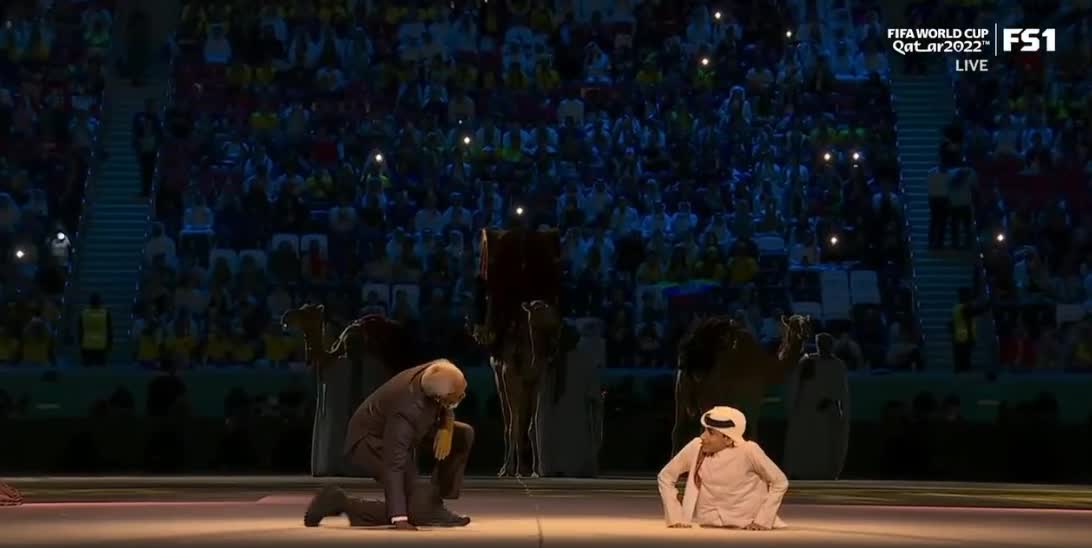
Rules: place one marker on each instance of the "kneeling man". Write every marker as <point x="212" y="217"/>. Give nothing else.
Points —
<point x="383" y="435"/>
<point x="732" y="482"/>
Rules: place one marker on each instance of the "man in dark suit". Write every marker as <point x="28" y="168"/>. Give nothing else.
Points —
<point x="382" y="438"/>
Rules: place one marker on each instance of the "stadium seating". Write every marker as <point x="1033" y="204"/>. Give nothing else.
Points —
<point x="51" y="96"/>
<point x="697" y="160"/>
<point x="1023" y="129"/>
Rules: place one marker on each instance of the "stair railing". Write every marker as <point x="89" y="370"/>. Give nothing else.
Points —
<point x="165" y="101"/>
<point x="911" y="259"/>
<point x="67" y="329"/>
<point x="980" y="251"/>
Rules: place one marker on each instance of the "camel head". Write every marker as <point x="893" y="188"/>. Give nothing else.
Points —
<point x="380" y="336"/>
<point x="310" y="320"/>
<point x="797" y="329"/>
<point x="708" y="335"/>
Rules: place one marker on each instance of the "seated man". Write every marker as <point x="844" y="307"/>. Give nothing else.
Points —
<point x="383" y="435"/>
<point x="732" y="482"/>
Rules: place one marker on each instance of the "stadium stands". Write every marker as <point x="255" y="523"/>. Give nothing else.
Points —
<point x="1023" y="130"/>
<point x="697" y="159"/>
<point x="51" y="95"/>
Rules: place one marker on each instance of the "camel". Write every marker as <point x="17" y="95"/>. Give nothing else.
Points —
<point x="384" y="337"/>
<point x="339" y="392"/>
<point x="528" y="353"/>
<point x="520" y="278"/>
<point x="721" y="363"/>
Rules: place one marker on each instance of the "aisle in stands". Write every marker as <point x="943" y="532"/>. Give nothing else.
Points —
<point x="51" y="94"/>
<point x="1024" y="134"/>
<point x="321" y="154"/>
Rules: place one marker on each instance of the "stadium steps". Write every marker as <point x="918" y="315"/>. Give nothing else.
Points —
<point x="924" y="105"/>
<point x="118" y="219"/>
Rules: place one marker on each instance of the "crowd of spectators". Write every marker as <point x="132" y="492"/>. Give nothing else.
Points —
<point x="1022" y="144"/>
<point x="347" y="152"/>
<point x="51" y="89"/>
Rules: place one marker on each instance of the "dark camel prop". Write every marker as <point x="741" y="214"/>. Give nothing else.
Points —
<point x="722" y="363"/>
<point x="385" y="338"/>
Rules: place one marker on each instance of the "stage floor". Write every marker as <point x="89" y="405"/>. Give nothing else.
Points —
<point x="247" y="511"/>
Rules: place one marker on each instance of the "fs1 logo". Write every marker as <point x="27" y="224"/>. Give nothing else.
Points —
<point x="1027" y="39"/>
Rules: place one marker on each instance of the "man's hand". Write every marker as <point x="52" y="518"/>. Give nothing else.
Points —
<point x="756" y="527"/>
<point x="441" y="445"/>
<point x="404" y="525"/>
<point x="679" y="526"/>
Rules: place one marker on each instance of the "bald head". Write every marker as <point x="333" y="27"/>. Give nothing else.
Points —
<point x="444" y="382"/>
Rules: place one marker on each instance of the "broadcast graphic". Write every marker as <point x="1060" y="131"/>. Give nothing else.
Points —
<point x="973" y="49"/>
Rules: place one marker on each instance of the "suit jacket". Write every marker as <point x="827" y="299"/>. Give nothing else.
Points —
<point x="392" y="422"/>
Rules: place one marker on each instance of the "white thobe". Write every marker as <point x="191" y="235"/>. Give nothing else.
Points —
<point x="739" y="486"/>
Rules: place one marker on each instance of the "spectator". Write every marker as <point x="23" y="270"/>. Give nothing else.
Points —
<point x="10" y="215"/>
<point x="964" y="329"/>
<point x="711" y="267"/>
<point x="279" y="347"/>
<point x="849" y="351"/>
<point x="596" y="64"/>
<point x="651" y="270"/>
<point x="217" y="345"/>
<point x="217" y="47"/>
<point x="149" y="347"/>
<point x="241" y="349"/>
<point x="159" y="246"/>
<point x="198" y="216"/>
<point x="180" y="346"/>
<point x="38" y="344"/>
<point x="147" y="136"/>
<point x="939" y="205"/>
<point x="1080" y="358"/>
<point x="96" y="333"/>
<point x="960" y="199"/>
<point x="678" y="266"/>
<point x="903" y="352"/>
<point x="554" y="141"/>
<point x="648" y="345"/>
<point x="97" y="35"/>
<point x="872" y="60"/>
<point x="742" y="268"/>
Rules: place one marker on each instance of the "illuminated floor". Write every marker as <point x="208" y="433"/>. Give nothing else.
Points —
<point x="535" y="514"/>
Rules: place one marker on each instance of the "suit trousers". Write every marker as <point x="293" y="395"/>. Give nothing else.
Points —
<point x="424" y="498"/>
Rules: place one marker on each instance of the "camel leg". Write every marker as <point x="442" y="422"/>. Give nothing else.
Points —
<point x="683" y="416"/>
<point x="499" y="368"/>
<point x="517" y="394"/>
<point x="534" y="401"/>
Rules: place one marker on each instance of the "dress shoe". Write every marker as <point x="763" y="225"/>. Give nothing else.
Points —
<point x="442" y="517"/>
<point x="329" y="502"/>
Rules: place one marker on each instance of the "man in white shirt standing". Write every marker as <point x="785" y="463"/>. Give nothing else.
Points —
<point x="731" y="483"/>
